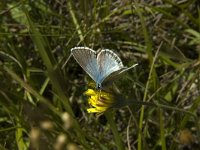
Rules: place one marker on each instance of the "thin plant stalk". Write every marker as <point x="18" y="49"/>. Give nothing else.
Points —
<point x="113" y="126"/>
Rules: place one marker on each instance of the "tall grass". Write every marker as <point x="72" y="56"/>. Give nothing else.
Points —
<point x="42" y="105"/>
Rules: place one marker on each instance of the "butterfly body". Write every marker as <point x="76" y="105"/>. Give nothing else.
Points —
<point x="101" y="66"/>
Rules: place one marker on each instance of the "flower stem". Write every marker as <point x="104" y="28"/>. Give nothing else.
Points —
<point x="118" y="141"/>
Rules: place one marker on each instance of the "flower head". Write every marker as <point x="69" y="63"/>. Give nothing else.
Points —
<point x="99" y="100"/>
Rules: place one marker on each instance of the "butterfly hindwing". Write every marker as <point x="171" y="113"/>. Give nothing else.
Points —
<point x="113" y="76"/>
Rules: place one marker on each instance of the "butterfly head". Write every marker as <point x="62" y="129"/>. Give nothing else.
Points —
<point x="98" y="86"/>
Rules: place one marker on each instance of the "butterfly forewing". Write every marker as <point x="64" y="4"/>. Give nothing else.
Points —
<point x="108" y="62"/>
<point x="86" y="58"/>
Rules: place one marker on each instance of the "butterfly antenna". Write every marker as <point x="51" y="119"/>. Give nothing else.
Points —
<point x="66" y="61"/>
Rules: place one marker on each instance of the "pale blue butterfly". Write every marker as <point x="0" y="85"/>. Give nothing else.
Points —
<point x="102" y="66"/>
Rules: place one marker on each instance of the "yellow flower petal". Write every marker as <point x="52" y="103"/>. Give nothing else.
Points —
<point x="97" y="109"/>
<point x="90" y="92"/>
<point x="99" y="100"/>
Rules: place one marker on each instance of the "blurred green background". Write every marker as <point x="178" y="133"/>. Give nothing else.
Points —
<point x="42" y="105"/>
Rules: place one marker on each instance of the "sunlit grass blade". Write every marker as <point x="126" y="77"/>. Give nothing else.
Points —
<point x="75" y="21"/>
<point x="152" y="74"/>
<point x="19" y="139"/>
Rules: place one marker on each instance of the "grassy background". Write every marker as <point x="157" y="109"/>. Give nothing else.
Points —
<point x="42" y="105"/>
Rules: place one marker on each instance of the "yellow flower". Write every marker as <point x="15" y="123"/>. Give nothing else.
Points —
<point x="99" y="100"/>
